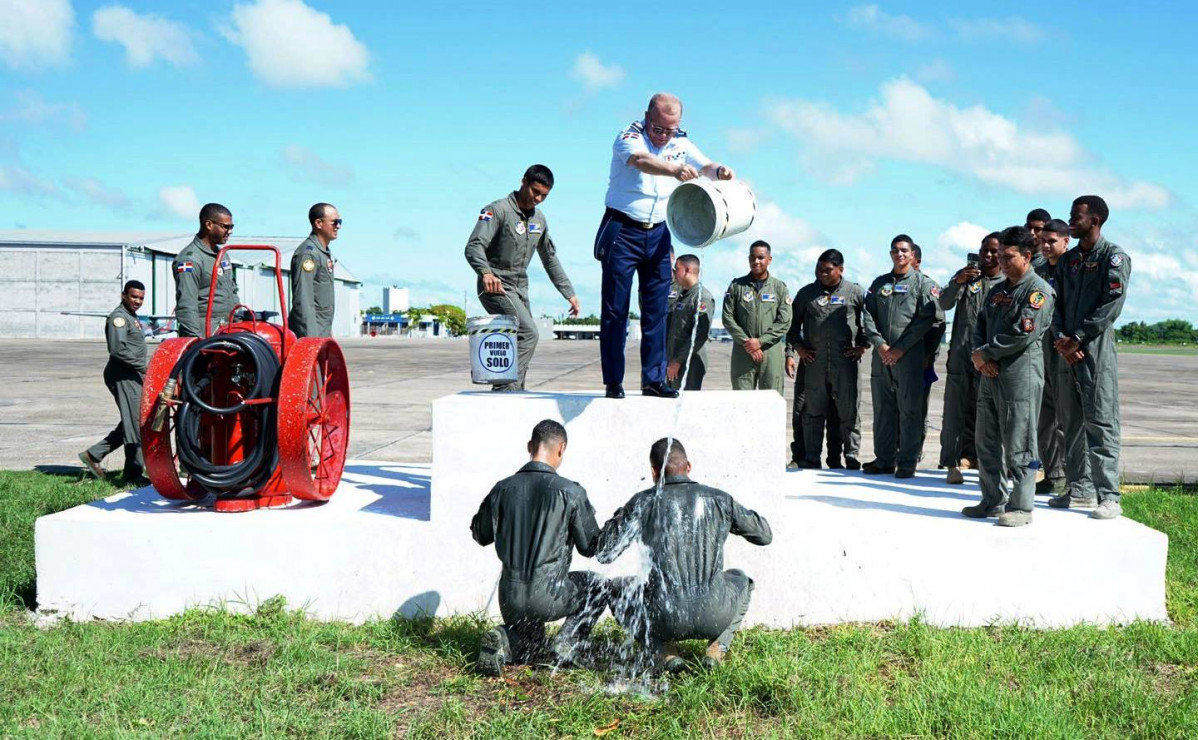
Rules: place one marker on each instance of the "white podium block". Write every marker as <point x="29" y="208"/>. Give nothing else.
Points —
<point x="395" y="538"/>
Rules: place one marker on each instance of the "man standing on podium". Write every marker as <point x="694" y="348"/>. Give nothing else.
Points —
<point x="649" y="158"/>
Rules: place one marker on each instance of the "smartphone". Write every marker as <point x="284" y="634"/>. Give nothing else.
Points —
<point x="972" y="260"/>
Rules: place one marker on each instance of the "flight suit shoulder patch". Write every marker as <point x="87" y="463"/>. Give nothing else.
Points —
<point x="1116" y="259"/>
<point x="308" y="265"/>
<point x="119" y="321"/>
<point x="1028" y="324"/>
<point x="1036" y="300"/>
<point x="935" y="291"/>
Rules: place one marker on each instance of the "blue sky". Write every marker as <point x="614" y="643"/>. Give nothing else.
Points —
<point x="852" y="123"/>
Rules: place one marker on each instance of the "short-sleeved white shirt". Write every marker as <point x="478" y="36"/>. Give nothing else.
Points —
<point x="641" y="196"/>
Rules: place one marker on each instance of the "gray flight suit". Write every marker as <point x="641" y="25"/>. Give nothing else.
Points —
<point x="690" y="312"/>
<point x="689" y="595"/>
<point x="1091" y="289"/>
<point x="758" y="311"/>
<point x="535" y="518"/>
<point x="1010" y="331"/>
<point x="1050" y="433"/>
<point x="127" y="360"/>
<point x="828" y="321"/>
<point x="193" y="279"/>
<point x="502" y="244"/>
<point x="899" y="312"/>
<point x="312" y="268"/>
<point x="961" y="389"/>
<point x="932" y="342"/>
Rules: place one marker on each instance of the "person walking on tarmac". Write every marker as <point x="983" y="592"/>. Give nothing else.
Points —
<point x="193" y="274"/>
<point x="900" y="308"/>
<point x="826" y="337"/>
<point x="311" y="275"/>
<point x="1054" y="242"/>
<point x="1007" y="353"/>
<point x="500" y="248"/>
<point x="690" y="304"/>
<point x="966" y="293"/>
<point x="757" y="316"/>
<point x="689" y="595"/>
<point x="123" y="375"/>
<point x="535" y="518"/>
<point x="1092" y="285"/>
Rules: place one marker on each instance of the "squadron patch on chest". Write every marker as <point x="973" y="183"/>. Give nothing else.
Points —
<point x="747" y="296"/>
<point x="519" y="227"/>
<point x="886" y="289"/>
<point x="822" y="300"/>
<point x="975" y="287"/>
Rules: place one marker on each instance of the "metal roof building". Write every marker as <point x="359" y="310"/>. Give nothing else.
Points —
<point x="43" y="273"/>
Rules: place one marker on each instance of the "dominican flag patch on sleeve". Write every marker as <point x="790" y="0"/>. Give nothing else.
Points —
<point x="184" y="267"/>
<point x="485" y="215"/>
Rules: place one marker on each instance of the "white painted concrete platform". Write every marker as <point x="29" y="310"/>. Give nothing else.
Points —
<point x="846" y="547"/>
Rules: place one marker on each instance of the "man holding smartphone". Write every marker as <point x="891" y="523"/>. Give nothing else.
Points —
<point x="966" y="292"/>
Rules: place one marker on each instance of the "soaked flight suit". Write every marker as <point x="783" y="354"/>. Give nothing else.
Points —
<point x="1010" y="331"/>
<point x="127" y="360"/>
<point x="828" y="320"/>
<point x="685" y="308"/>
<point x="1050" y="433"/>
<point x="758" y="310"/>
<point x="1091" y="289"/>
<point x="312" y="268"/>
<point x="899" y="311"/>
<point x="961" y="390"/>
<point x="535" y="518"/>
<point x="502" y="244"/>
<point x="689" y="595"/>
<point x="193" y="278"/>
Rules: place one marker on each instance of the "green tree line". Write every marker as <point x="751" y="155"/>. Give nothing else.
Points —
<point x="1169" y="331"/>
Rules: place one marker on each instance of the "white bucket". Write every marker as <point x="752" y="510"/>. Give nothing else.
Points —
<point x="703" y="211"/>
<point x="493" y="349"/>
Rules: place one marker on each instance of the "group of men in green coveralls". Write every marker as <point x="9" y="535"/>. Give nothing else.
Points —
<point x="536" y="519"/>
<point x="310" y="315"/>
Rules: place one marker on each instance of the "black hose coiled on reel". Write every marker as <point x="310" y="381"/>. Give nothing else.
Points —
<point x="256" y="467"/>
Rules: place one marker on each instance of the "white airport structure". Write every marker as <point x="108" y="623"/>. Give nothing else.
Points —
<point x="44" y="273"/>
<point x="395" y="539"/>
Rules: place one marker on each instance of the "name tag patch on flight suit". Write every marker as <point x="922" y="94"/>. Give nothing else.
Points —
<point x="118" y="322"/>
<point x="308" y="264"/>
<point x="887" y="289"/>
<point x="1036" y="300"/>
<point x="1027" y="324"/>
<point x="1000" y="299"/>
<point x="902" y="288"/>
<point x="769" y="298"/>
<point x="534" y="228"/>
<point x="837" y="300"/>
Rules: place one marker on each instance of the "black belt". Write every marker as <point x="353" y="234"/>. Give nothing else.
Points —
<point x="624" y="218"/>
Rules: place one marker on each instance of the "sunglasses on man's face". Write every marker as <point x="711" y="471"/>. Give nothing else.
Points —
<point x="336" y="222"/>
<point x="226" y="227"/>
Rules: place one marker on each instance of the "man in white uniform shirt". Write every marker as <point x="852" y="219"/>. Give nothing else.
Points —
<point x="649" y="159"/>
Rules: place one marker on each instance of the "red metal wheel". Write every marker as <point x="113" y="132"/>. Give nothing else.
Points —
<point x="158" y="447"/>
<point x="313" y="418"/>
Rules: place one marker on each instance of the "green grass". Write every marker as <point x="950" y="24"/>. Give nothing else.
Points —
<point x="1155" y="349"/>
<point x="274" y="673"/>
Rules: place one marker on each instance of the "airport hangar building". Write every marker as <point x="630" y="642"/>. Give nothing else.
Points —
<point x="43" y="273"/>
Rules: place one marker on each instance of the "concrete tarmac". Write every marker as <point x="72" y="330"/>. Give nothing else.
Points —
<point x="53" y="402"/>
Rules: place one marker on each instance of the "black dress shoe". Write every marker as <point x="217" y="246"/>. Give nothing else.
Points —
<point x="658" y="390"/>
<point x="834" y="463"/>
<point x="873" y="468"/>
<point x="615" y="391"/>
<point x="905" y="473"/>
<point x="809" y="464"/>
<point x="852" y="463"/>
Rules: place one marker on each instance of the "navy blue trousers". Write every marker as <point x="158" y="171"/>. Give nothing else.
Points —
<point x="625" y="250"/>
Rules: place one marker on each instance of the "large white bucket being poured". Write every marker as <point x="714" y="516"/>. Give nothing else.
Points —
<point x="493" y="349"/>
<point x="703" y="211"/>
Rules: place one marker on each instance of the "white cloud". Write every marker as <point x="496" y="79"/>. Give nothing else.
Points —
<point x="306" y="165"/>
<point x="289" y="44"/>
<point x="594" y="74"/>
<point x="16" y="179"/>
<point x="97" y="192"/>
<point x="963" y="237"/>
<point x="36" y="33"/>
<point x="145" y="37"/>
<point x="34" y="110"/>
<point x="997" y="29"/>
<point x="874" y="19"/>
<point x="909" y="124"/>
<point x="179" y="200"/>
